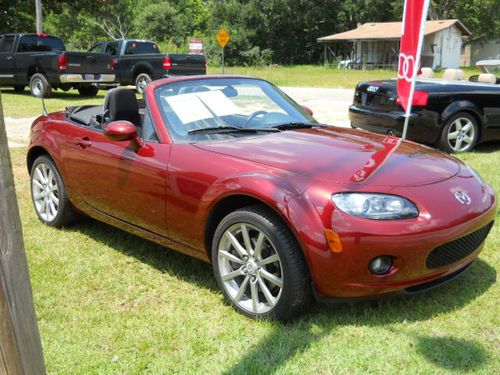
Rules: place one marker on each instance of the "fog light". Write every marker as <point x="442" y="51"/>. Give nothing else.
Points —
<point x="380" y="265"/>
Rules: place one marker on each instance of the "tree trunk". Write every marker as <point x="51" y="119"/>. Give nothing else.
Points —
<point x="20" y="346"/>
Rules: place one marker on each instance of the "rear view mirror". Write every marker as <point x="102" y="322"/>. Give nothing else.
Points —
<point x="307" y="110"/>
<point x="120" y="131"/>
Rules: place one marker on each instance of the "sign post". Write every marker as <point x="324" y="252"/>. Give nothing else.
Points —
<point x="223" y="38"/>
<point x="412" y="35"/>
<point x="195" y="46"/>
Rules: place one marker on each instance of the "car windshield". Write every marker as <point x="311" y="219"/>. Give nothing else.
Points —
<point x="214" y="108"/>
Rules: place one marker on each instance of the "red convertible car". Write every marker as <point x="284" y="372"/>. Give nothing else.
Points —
<point x="232" y="171"/>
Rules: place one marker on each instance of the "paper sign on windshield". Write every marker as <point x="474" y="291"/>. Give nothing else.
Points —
<point x="218" y="103"/>
<point x="188" y="108"/>
<point x="201" y="105"/>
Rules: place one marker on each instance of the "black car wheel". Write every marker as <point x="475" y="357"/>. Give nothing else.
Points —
<point x="141" y="81"/>
<point x="259" y="265"/>
<point x="460" y="134"/>
<point x="49" y="194"/>
<point x="19" y="88"/>
<point x="39" y="86"/>
<point x="88" y="90"/>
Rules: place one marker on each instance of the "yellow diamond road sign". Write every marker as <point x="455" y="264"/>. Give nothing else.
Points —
<point x="222" y="37"/>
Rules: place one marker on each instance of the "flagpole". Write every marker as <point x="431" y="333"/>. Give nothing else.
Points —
<point x="415" y="67"/>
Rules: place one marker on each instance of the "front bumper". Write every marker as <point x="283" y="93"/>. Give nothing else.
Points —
<point x="442" y="221"/>
<point x="419" y="288"/>
<point x="423" y="126"/>
<point x="86" y="78"/>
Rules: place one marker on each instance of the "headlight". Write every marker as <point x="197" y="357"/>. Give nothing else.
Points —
<point x="375" y="206"/>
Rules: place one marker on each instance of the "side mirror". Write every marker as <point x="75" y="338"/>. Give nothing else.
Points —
<point x="307" y="110"/>
<point x="120" y="131"/>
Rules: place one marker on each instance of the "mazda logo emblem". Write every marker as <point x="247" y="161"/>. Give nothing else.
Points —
<point x="462" y="198"/>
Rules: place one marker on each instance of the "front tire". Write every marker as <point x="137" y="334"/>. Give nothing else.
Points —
<point x="49" y="195"/>
<point x="141" y="81"/>
<point x="259" y="265"/>
<point x="39" y="86"/>
<point x="460" y="134"/>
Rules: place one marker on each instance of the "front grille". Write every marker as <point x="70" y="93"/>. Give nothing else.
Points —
<point x="455" y="250"/>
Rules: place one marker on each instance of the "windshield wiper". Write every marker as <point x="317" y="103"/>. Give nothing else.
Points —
<point x="230" y="129"/>
<point x="294" y="125"/>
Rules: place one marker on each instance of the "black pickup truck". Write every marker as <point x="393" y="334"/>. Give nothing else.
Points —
<point x="42" y="62"/>
<point x="138" y="62"/>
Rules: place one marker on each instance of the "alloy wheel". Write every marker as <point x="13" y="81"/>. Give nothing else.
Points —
<point x="461" y="134"/>
<point x="45" y="192"/>
<point x="250" y="268"/>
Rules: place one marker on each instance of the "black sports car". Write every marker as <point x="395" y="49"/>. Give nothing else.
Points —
<point x="450" y="114"/>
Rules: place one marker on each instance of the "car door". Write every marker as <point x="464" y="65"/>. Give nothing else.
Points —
<point x="117" y="179"/>
<point x="7" y="59"/>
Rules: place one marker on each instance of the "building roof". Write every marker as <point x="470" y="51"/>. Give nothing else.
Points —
<point x="391" y="30"/>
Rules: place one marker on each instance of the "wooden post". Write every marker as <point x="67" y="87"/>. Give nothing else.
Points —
<point x="20" y="345"/>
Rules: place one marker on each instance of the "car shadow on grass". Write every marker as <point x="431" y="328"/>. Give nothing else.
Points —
<point x="487" y="147"/>
<point x="288" y="340"/>
<point x="272" y="353"/>
<point x="165" y="260"/>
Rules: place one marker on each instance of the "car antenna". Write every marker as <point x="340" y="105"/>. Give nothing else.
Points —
<point x="44" y="109"/>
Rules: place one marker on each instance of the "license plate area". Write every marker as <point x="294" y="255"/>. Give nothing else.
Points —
<point x="91" y="77"/>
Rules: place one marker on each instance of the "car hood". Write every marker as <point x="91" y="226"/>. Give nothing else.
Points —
<point x="343" y="156"/>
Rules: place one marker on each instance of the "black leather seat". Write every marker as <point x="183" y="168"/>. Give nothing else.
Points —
<point x="121" y="104"/>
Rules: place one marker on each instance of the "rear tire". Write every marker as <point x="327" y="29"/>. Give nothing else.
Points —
<point x="460" y="134"/>
<point x="141" y="81"/>
<point x="48" y="194"/>
<point x="39" y="86"/>
<point x="265" y="275"/>
<point x="88" y="90"/>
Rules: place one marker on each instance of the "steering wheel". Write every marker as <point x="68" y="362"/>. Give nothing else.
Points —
<point x="253" y="115"/>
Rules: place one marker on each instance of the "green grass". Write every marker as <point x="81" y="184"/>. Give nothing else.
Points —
<point x="308" y="75"/>
<point x="24" y="105"/>
<point x="19" y="105"/>
<point x="111" y="303"/>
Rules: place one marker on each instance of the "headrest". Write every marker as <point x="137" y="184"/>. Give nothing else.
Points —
<point x="487" y="78"/>
<point x="426" y="73"/>
<point x="454" y="74"/>
<point x="121" y="104"/>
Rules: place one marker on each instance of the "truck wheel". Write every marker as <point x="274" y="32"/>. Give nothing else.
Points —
<point x="19" y="88"/>
<point x="88" y="90"/>
<point x="39" y="86"/>
<point x="141" y="82"/>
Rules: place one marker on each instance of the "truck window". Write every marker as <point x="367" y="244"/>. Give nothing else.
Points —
<point x="35" y="43"/>
<point x="6" y="43"/>
<point x="140" y="48"/>
<point x="112" y="48"/>
<point x="96" y="48"/>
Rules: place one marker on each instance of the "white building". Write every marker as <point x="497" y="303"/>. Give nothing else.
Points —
<point x="376" y="45"/>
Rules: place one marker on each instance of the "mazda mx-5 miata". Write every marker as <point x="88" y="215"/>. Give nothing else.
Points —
<point x="232" y="171"/>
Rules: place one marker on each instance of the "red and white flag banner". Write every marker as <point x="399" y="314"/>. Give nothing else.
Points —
<point x="412" y="35"/>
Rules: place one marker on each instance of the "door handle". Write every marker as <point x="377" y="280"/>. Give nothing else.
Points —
<point x="83" y="142"/>
<point x="9" y="57"/>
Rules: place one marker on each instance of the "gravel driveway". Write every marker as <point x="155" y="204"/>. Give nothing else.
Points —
<point x="330" y="106"/>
